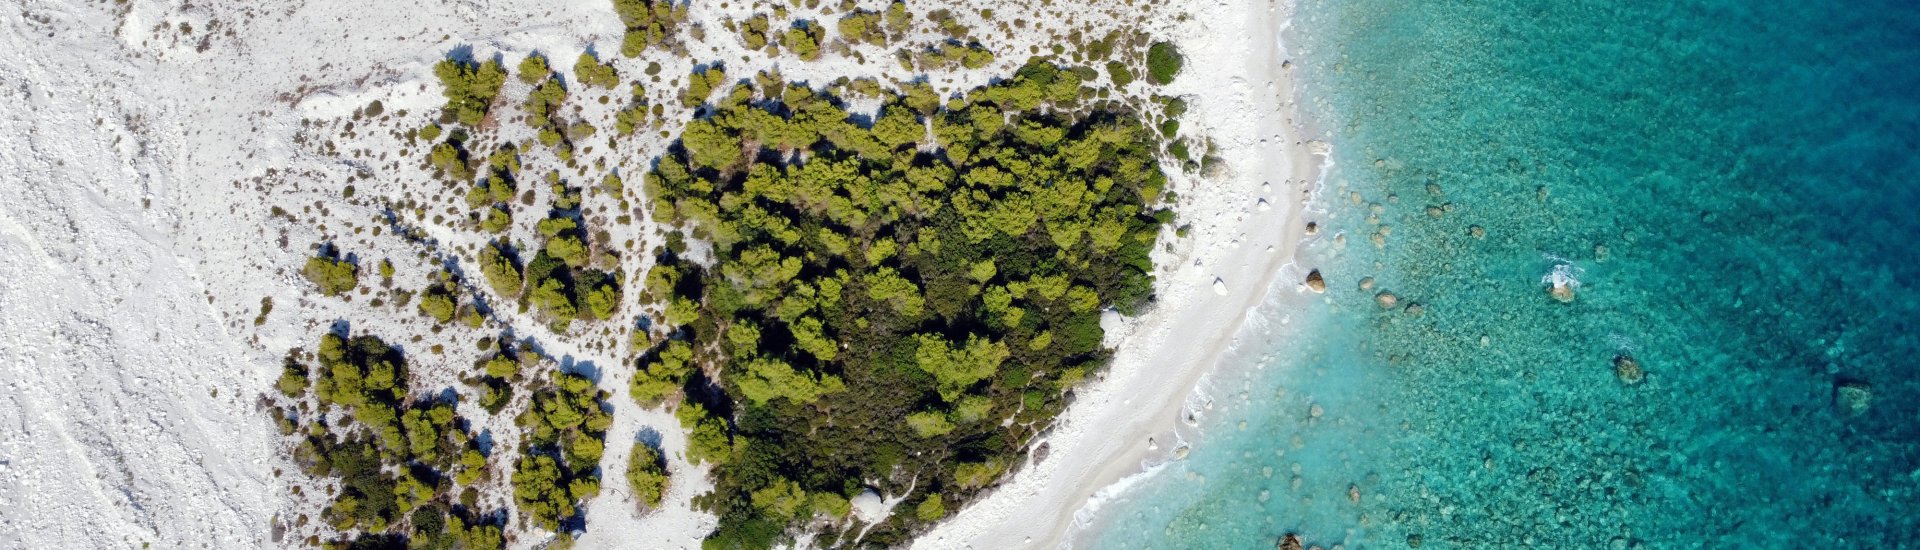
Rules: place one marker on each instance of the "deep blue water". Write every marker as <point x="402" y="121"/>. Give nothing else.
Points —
<point x="1736" y="187"/>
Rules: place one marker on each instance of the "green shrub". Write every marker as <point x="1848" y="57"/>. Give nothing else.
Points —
<point x="592" y="72"/>
<point x="333" y="276"/>
<point x="470" y="88"/>
<point x="931" y="509"/>
<point x="1163" y="62"/>
<point x="647" y="475"/>
<point x="534" y="69"/>
<point x="1119" y="73"/>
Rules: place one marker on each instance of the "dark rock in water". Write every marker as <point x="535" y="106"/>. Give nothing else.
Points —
<point x="1315" y="282"/>
<point x="1414" y="541"/>
<point x="1416" y="309"/>
<point x="1853" y="396"/>
<point x="1290" y="541"/>
<point x="1628" y="369"/>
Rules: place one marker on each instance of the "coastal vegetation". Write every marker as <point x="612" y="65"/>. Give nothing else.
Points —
<point x="844" y="289"/>
<point x="946" y="264"/>
<point x="1163" y="62"/>
<point x="397" y="461"/>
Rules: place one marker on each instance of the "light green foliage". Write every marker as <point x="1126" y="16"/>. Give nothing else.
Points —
<point x="648" y="23"/>
<point x="958" y="368"/>
<point x="754" y="32"/>
<point x="561" y="456"/>
<point x="782" y="499"/>
<point x="1163" y="62"/>
<point x="646" y="475"/>
<point x="974" y="475"/>
<point x="701" y="85"/>
<point x="831" y="505"/>
<point x="495" y="220"/>
<point x="950" y="55"/>
<point x="862" y="26"/>
<point x="769" y="379"/>
<point x="662" y="374"/>
<point x="502" y="367"/>
<point x="931" y="509"/>
<point x="972" y="408"/>
<point x="803" y="39"/>
<point x="709" y="441"/>
<point x="470" y="88"/>
<point x="430" y="132"/>
<point x="592" y="72"/>
<point x="929" y="423"/>
<point x="898" y="19"/>
<point x="501" y="272"/>
<point x="437" y="303"/>
<point x="709" y="146"/>
<point x="540" y="489"/>
<point x="541" y="104"/>
<point x="568" y="249"/>
<point x="293" y="379"/>
<point x="333" y="276"/>
<point x="533" y="68"/>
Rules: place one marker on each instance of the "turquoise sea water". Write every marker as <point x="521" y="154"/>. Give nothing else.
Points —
<point x="1736" y="187"/>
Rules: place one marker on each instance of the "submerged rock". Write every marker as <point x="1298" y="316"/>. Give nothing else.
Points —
<point x="1386" y="299"/>
<point x="1416" y="309"/>
<point x="1366" y="283"/>
<point x="1313" y="228"/>
<point x="1628" y="369"/>
<point x="1315" y="282"/>
<point x="1562" y="293"/>
<point x="1853" y="397"/>
<point x="1477" y="232"/>
<point x="1290" y="541"/>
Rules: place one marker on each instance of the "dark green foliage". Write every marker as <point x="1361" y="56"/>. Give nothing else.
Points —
<point x="1119" y="73"/>
<point x="395" y="460"/>
<point x="879" y="311"/>
<point x="334" y="276"/>
<point x="470" y="88"/>
<point x="1163" y="62"/>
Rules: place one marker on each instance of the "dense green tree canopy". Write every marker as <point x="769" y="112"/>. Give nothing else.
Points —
<point x="945" y="264"/>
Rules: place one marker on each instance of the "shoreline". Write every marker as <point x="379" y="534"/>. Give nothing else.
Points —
<point x="1102" y="440"/>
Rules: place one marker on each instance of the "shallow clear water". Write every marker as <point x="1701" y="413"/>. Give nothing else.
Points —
<point x="1734" y="184"/>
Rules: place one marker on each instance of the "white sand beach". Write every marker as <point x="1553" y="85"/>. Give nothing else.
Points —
<point x="1104" y="437"/>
